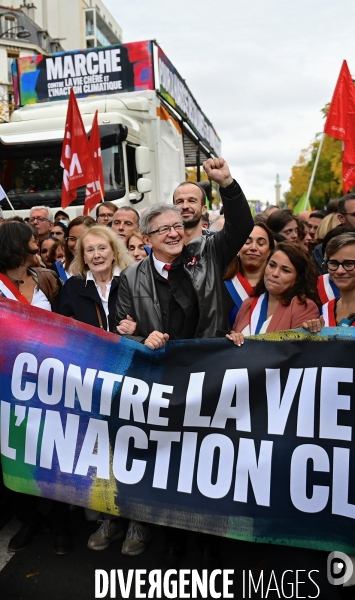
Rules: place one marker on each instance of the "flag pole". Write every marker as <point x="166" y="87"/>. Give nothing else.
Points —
<point x="315" y="167"/>
<point x="12" y="208"/>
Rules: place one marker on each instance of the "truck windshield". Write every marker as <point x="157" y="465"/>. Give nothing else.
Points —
<point x="31" y="174"/>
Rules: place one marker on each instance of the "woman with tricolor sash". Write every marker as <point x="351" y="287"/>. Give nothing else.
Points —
<point x="247" y="268"/>
<point x="21" y="279"/>
<point x="284" y="298"/>
<point x="340" y="263"/>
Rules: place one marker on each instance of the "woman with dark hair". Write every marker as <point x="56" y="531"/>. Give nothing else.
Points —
<point x="340" y="263"/>
<point x="304" y="236"/>
<point x="75" y="229"/>
<point x="21" y="278"/>
<point x="247" y="268"/>
<point x="284" y="222"/>
<point x="284" y="298"/>
<point x="57" y="252"/>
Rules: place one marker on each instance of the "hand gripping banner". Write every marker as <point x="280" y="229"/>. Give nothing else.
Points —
<point x="254" y="443"/>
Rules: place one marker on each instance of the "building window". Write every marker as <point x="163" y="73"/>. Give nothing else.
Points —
<point x="8" y="22"/>
<point x="11" y="56"/>
<point x="89" y="23"/>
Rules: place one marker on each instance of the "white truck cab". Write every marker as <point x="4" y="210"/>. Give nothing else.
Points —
<point x="145" y="134"/>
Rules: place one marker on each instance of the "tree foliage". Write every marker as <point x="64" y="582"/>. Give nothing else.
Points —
<point x="328" y="182"/>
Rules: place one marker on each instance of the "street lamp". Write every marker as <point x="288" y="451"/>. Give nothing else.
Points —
<point x="21" y="34"/>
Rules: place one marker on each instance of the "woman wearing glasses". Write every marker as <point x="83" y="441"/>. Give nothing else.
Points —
<point x="340" y="262"/>
<point x="75" y="229"/>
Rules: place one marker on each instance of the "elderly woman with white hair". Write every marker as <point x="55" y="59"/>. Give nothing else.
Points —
<point x="90" y="296"/>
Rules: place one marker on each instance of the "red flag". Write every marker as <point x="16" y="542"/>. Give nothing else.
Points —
<point x="76" y="160"/>
<point x="95" y="147"/>
<point x="340" y="123"/>
<point x="335" y="125"/>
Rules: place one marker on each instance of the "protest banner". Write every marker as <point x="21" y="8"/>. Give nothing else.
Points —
<point x="253" y="443"/>
<point x="93" y="71"/>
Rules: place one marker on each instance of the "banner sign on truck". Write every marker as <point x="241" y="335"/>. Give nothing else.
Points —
<point x="175" y="91"/>
<point x="104" y="70"/>
<point x="255" y="443"/>
<point x="110" y="70"/>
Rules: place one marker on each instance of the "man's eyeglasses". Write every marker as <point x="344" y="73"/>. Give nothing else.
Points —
<point x="350" y="214"/>
<point x="166" y="229"/>
<point x="333" y="265"/>
<point x="105" y="216"/>
<point x="39" y="219"/>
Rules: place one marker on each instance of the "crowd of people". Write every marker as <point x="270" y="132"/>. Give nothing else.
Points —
<point x="166" y="275"/>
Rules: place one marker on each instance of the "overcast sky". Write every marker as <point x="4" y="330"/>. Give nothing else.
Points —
<point x="261" y="70"/>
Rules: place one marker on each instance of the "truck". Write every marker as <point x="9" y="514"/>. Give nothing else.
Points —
<point x="151" y="127"/>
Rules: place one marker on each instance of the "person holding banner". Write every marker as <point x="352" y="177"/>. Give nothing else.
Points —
<point x="23" y="281"/>
<point x="177" y="292"/>
<point x="340" y="262"/>
<point x="247" y="268"/>
<point x="90" y="297"/>
<point x="283" y="299"/>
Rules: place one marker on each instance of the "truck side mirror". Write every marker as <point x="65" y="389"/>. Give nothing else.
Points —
<point x="142" y="160"/>
<point x="144" y="185"/>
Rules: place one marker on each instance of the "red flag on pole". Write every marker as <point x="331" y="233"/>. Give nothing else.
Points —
<point x="340" y="123"/>
<point x="76" y="160"/>
<point x="95" y="147"/>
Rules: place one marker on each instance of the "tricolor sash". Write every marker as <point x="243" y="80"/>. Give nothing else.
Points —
<point x="258" y="313"/>
<point x="9" y="290"/>
<point x="327" y="290"/>
<point x="328" y="313"/>
<point x="239" y="289"/>
<point x="61" y="271"/>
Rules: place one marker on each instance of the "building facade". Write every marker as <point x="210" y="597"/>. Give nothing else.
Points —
<point x="19" y="36"/>
<point x="75" y="23"/>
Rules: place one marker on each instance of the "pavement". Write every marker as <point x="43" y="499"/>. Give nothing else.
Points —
<point x="37" y="573"/>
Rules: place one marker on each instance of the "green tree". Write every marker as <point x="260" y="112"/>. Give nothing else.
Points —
<point x="328" y="182"/>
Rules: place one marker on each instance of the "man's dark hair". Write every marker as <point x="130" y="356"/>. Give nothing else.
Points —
<point x="61" y="212"/>
<point x="129" y="208"/>
<point x="332" y="206"/>
<point x="319" y="214"/>
<point x="62" y="226"/>
<point x="342" y="201"/>
<point x="202" y="191"/>
<point x="106" y="204"/>
<point x="15" y="219"/>
<point x="14" y="245"/>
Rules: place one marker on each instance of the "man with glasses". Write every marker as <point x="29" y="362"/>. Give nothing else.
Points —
<point x="177" y="292"/>
<point x="105" y="212"/>
<point x="42" y="218"/>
